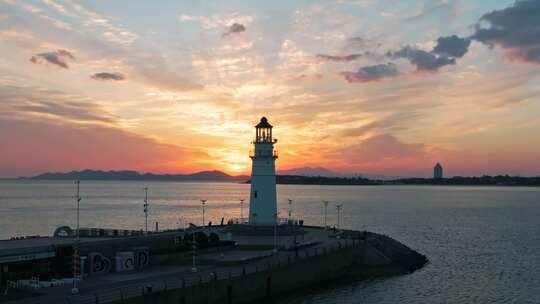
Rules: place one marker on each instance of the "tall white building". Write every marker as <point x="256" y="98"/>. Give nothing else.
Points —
<point x="262" y="200"/>
<point x="438" y="171"/>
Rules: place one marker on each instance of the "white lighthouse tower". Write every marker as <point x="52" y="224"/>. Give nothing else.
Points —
<point x="262" y="201"/>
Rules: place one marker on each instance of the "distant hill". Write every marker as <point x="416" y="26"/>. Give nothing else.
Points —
<point x="499" y="180"/>
<point x="215" y="176"/>
<point x="310" y="171"/>
<point x="218" y="176"/>
<point x="324" y="180"/>
<point x="324" y="172"/>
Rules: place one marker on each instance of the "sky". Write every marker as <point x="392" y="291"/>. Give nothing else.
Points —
<point x="355" y="86"/>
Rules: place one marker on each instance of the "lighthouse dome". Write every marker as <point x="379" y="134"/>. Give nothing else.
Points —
<point x="263" y="123"/>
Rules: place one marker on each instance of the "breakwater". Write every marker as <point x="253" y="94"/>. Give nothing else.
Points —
<point x="362" y="255"/>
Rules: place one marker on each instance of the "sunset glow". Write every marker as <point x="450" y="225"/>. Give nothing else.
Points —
<point x="360" y="86"/>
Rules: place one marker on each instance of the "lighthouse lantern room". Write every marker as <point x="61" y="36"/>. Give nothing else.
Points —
<point x="262" y="203"/>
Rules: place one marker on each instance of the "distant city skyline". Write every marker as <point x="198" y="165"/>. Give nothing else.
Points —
<point x="352" y="85"/>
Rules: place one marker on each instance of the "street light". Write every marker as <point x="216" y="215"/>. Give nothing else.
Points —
<point x="203" y="201"/>
<point x="339" y="207"/>
<point x="325" y="213"/>
<point x="77" y="242"/>
<point x="241" y="211"/>
<point x="145" y="205"/>
<point x="181" y="224"/>
<point x="290" y="209"/>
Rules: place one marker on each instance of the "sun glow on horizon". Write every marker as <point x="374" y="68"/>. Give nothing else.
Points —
<point x="371" y="93"/>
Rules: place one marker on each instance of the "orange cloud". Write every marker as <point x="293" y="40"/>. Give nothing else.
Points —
<point x="35" y="147"/>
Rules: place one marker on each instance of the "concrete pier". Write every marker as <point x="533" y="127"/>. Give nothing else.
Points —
<point x="241" y="273"/>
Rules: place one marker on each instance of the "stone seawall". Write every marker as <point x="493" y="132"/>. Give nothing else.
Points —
<point x="375" y="256"/>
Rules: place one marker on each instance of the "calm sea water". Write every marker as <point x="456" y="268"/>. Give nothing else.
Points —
<point x="483" y="242"/>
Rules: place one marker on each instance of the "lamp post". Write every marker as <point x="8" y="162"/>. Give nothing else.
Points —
<point x="339" y="207"/>
<point x="145" y="205"/>
<point x="241" y="211"/>
<point x="203" y="201"/>
<point x="77" y="243"/>
<point x="180" y="223"/>
<point x="325" y="213"/>
<point x="290" y="209"/>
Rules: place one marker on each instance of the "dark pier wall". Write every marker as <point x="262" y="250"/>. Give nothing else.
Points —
<point x="384" y="257"/>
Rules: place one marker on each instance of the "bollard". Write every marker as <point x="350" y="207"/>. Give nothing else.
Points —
<point x="97" y="298"/>
<point x="244" y="271"/>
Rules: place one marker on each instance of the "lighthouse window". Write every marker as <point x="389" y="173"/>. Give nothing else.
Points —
<point x="255" y="194"/>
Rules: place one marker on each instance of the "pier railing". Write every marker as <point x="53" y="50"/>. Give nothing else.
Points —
<point x="186" y="280"/>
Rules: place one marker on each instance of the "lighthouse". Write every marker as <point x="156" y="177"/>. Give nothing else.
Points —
<point x="262" y="200"/>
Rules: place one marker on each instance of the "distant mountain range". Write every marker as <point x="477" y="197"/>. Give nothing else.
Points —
<point x="310" y="171"/>
<point x="198" y="176"/>
<point x="301" y="176"/>
<point x="324" y="172"/>
<point x="211" y="176"/>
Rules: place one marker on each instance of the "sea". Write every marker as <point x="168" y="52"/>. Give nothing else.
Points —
<point x="483" y="243"/>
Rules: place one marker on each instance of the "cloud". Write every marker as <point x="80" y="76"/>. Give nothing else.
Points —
<point x="452" y="46"/>
<point x="108" y="76"/>
<point x="32" y="147"/>
<point x="445" y="52"/>
<point x="384" y="147"/>
<point x="424" y="61"/>
<point x="385" y="151"/>
<point x="515" y="29"/>
<point x="235" y="28"/>
<point x="339" y="58"/>
<point x="218" y="20"/>
<point x="362" y="43"/>
<point x="31" y="102"/>
<point x="59" y="58"/>
<point x="372" y="73"/>
<point x="391" y="123"/>
<point x="82" y="112"/>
